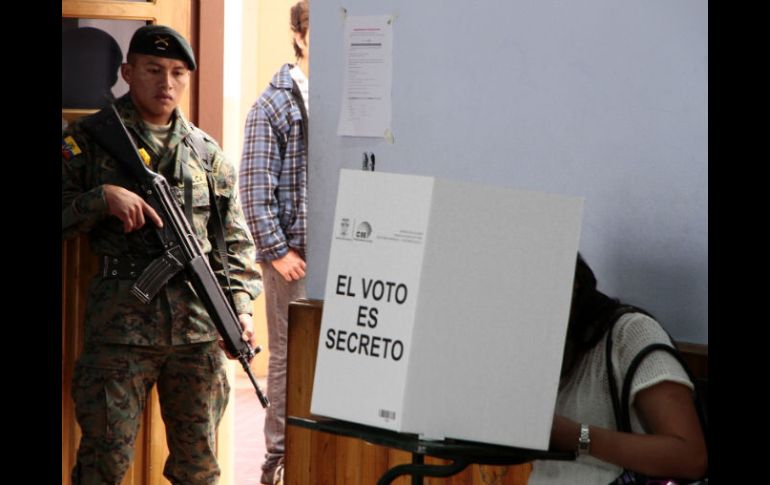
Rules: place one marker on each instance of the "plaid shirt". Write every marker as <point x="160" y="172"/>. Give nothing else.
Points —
<point x="273" y="173"/>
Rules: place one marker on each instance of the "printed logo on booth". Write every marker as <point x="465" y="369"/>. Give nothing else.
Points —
<point x="363" y="231"/>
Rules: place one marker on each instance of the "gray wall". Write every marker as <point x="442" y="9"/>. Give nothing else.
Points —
<point x="601" y="99"/>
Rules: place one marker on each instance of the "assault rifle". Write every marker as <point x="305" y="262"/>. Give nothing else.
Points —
<point x="180" y="246"/>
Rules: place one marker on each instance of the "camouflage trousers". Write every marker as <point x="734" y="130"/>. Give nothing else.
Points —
<point x="110" y="388"/>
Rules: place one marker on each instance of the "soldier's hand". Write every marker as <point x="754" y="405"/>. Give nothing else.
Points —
<point x="247" y="336"/>
<point x="129" y="208"/>
<point x="291" y="266"/>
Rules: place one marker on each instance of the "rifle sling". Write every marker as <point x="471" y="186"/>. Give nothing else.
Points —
<point x="196" y="142"/>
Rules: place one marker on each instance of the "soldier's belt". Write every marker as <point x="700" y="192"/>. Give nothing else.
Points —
<point x="149" y="275"/>
<point x="157" y="273"/>
<point x="122" y="267"/>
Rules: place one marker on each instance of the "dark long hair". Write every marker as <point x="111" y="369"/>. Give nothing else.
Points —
<point x="591" y="314"/>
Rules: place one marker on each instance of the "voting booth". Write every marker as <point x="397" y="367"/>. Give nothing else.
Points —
<point x="446" y="308"/>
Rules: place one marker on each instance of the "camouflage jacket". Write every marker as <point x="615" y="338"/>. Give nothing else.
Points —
<point x="176" y="315"/>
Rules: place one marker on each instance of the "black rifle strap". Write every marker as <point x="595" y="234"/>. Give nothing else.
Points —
<point x="196" y="142"/>
<point x="608" y="358"/>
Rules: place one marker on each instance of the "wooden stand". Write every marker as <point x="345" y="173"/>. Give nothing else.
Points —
<point x="326" y="459"/>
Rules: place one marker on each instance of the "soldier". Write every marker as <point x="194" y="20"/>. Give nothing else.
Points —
<point x="131" y="346"/>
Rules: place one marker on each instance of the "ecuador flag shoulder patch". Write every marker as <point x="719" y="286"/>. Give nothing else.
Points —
<point x="69" y="148"/>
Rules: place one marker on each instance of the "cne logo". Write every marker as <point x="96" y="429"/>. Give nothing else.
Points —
<point x="363" y="231"/>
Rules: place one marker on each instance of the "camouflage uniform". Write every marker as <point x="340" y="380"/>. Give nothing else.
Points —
<point x="129" y="346"/>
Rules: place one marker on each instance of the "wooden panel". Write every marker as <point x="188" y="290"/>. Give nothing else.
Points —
<point x="304" y="332"/>
<point x="399" y="457"/>
<point x="73" y="114"/>
<point x="304" y="329"/>
<point x="697" y="358"/>
<point x="78" y="266"/>
<point x="110" y="10"/>
<point x="323" y="458"/>
<point x="210" y="59"/>
<point x="377" y="459"/>
<point x="348" y="459"/>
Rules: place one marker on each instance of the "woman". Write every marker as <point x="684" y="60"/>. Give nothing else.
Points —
<point x="667" y="440"/>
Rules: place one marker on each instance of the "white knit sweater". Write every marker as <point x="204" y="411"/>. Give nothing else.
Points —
<point x="585" y="398"/>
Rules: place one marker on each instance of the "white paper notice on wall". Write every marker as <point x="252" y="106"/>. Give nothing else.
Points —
<point x="446" y="308"/>
<point x="366" y="97"/>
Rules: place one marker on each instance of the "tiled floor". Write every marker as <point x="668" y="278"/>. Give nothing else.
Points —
<point x="249" y="440"/>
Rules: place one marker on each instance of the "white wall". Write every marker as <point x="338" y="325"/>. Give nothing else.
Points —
<point x="601" y="99"/>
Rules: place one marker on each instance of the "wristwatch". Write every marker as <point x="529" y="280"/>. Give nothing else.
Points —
<point x="584" y="441"/>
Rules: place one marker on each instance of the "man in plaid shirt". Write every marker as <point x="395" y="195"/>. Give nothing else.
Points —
<point x="273" y="188"/>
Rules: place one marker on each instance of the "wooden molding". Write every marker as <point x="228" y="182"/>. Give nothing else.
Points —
<point x="209" y="44"/>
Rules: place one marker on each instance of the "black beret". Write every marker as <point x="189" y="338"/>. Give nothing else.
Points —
<point x="162" y="41"/>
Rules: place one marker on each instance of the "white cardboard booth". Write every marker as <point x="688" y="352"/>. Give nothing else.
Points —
<point x="446" y="308"/>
